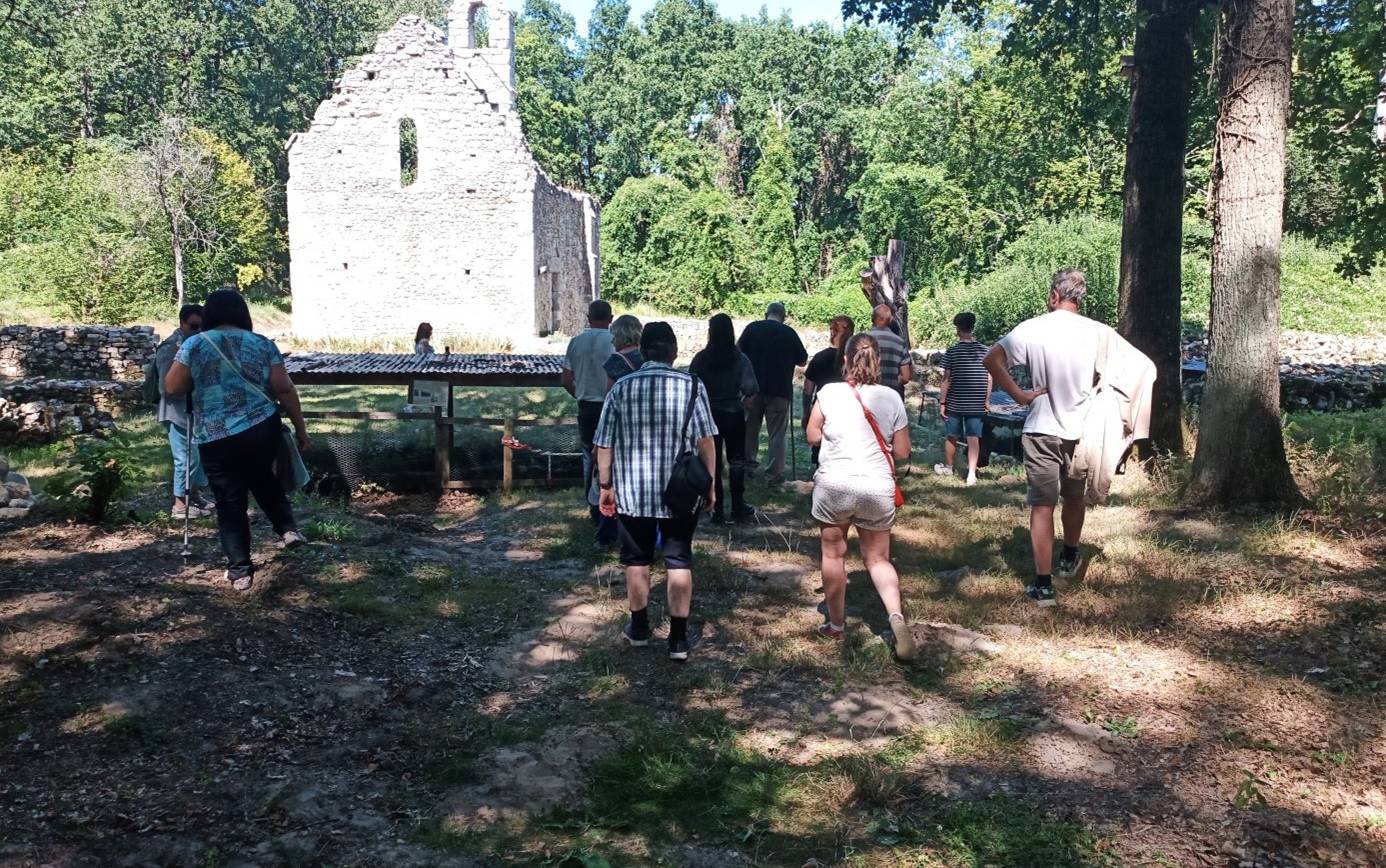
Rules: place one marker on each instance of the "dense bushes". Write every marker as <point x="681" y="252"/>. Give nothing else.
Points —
<point x="1340" y="459"/>
<point x="82" y="232"/>
<point x="1018" y="287"/>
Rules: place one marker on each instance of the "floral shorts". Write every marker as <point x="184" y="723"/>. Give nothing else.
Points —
<point x="843" y="505"/>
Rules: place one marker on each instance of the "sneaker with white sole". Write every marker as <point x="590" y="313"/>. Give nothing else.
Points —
<point x="904" y="639"/>
<point x="678" y="649"/>
<point x="1069" y="568"/>
<point x="240" y="583"/>
<point x="1042" y="595"/>
<point x="971" y="479"/>
<point x="943" y="470"/>
<point x="294" y="539"/>
<point x="634" y="639"/>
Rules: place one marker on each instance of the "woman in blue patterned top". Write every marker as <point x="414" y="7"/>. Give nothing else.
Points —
<point x="238" y="384"/>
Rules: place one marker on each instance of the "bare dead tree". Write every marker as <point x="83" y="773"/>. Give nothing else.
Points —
<point x="178" y="174"/>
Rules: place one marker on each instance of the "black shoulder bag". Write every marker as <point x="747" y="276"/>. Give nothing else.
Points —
<point x="689" y="482"/>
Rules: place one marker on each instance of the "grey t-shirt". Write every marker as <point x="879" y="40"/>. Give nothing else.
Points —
<point x="587" y="353"/>
<point x="1060" y="350"/>
<point x="172" y="408"/>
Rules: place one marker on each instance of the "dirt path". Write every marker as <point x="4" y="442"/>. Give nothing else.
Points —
<point x="441" y="685"/>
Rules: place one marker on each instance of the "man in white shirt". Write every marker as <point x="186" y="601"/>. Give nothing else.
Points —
<point x="1060" y="350"/>
<point x="584" y="377"/>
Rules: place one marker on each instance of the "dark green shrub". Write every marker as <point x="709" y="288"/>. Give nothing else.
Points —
<point x="93" y="473"/>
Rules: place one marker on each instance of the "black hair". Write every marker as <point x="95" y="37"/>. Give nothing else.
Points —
<point x="658" y="344"/>
<point x="599" y="311"/>
<point x="425" y="330"/>
<point x="187" y="311"/>
<point x="226" y="307"/>
<point x="965" y="321"/>
<point x="721" y="352"/>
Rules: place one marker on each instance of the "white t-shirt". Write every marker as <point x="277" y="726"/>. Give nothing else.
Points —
<point x="850" y="455"/>
<point x="1060" y="349"/>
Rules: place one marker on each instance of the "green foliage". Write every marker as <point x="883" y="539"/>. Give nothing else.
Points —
<point x="946" y="234"/>
<point x="1018" y="288"/>
<point x="1340" y="459"/>
<point x="71" y="237"/>
<point x="772" y="212"/>
<point x="94" y="473"/>
<point x="674" y="248"/>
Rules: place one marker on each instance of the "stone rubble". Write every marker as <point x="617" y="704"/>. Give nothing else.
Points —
<point x="1317" y="371"/>
<point x="16" y="497"/>
<point x="42" y="410"/>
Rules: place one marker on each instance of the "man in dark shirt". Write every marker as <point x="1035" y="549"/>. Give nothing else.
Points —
<point x="964" y="397"/>
<point x="775" y="351"/>
<point x="826" y="365"/>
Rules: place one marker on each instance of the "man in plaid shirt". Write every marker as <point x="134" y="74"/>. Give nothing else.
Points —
<point x="639" y="436"/>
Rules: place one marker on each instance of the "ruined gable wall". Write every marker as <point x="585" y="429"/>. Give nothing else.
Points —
<point x="456" y="248"/>
<point x="565" y="244"/>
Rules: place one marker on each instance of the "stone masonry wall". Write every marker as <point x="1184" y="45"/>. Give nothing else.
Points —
<point x="565" y="257"/>
<point x="370" y="256"/>
<point x="43" y="410"/>
<point x="76" y="352"/>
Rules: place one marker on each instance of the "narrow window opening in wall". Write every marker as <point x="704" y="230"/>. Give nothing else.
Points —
<point x="467" y="271"/>
<point x="408" y="152"/>
<point x="480" y="25"/>
<point x="370" y="75"/>
<point x="344" y="266"/>
<point x="471" y="189"/>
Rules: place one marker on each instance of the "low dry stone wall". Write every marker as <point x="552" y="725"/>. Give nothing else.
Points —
<point x="76" y="352"/>
<point x="42" y="410"/>
<point x="1318" y="372"/>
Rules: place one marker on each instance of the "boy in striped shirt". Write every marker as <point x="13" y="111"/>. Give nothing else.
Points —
<point x="964" y="397"/>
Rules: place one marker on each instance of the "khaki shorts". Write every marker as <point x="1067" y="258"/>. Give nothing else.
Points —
<point x="1047" y="459"/>
<point x="842" y="506"/>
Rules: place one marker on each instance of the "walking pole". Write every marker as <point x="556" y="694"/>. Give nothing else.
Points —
<point x="793" y="442"/>
<point x="187" y="482"/>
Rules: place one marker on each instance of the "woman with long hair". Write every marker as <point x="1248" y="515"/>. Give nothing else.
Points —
<point x="826" y="365"/>
<point x="238" y="385"/>
<point x="863" y="430"/>
<point x="730" y="382"/>
<point x="423" y="337"/>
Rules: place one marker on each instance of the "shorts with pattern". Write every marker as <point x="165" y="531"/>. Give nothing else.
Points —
<point x="842" y="505"/>
<point x="1047" y="460"/>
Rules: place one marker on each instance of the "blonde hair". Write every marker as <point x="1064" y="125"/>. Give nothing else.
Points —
<point x="862" y="363"/>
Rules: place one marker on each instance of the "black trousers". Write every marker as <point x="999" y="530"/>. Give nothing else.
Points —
<point x="589" y="414"/>
<point x="731" y="440"/>
<point x="239" y="465"/>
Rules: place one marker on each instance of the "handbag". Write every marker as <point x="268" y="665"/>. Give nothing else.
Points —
<point x="885" y="450"/>
<point x="690" y="481"/>
<point x="289" y="468"/>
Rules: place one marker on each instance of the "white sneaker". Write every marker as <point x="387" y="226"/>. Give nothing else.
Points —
<point x="943" y="470"/>
<point x="294" y="539"/>
<point x="904" y="639"/>
<point x="971" y="479"/>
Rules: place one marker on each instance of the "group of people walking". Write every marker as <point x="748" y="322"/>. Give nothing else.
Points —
<point x="649" y="418"/>
<point x="649" y="431"/>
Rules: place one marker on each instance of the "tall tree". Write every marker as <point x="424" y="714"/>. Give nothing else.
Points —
<point x="772" y="210"/>
<point x="1152" y="224"/>
<point x="1240" y="458"/>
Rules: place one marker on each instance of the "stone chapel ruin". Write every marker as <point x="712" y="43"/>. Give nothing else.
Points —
<point x="414" y="197"/>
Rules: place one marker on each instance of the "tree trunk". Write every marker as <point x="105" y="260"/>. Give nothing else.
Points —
<point x="1152" y="217"/>
<point x="178" y="269"/>
<point x="1240" y="458"/>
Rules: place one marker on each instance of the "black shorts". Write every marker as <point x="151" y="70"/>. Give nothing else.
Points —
<point x="637" y="536"/>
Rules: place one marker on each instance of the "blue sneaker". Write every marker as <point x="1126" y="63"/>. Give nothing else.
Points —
<point x="1043" y="595"/>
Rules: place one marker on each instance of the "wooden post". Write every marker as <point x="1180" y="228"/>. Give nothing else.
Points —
<point x="442" y="452"/>
<point x="508" y="458"/>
